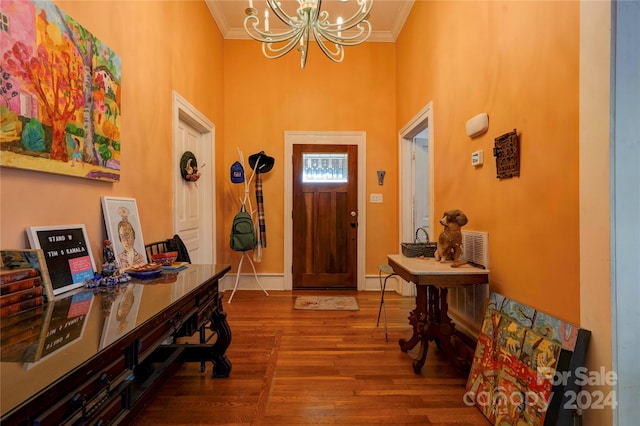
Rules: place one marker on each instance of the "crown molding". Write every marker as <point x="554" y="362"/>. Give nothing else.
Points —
<point x="238" y="33"/>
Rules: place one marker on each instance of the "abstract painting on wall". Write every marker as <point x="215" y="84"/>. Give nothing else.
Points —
<point x="526" y="366"/>
<point x="60" y="94"/>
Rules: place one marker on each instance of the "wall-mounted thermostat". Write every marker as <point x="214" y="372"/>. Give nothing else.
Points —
<point x="477" y="158"/>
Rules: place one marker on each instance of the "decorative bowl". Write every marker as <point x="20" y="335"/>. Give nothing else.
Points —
<point x="165" y="259"/>
<point x="144" y="275"/>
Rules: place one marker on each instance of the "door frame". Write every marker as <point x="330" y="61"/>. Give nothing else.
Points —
<point x="422" y="120"/>
<point x="184" y="111"/>
<point x="323" y="138"/>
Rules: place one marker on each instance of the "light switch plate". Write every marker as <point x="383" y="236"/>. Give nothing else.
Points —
<point x="375" y="198"/>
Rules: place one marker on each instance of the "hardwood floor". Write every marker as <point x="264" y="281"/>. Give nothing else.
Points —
<point x="293" y="367"/>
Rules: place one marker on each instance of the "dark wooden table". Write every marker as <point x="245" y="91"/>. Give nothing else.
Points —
<point x="430" y="319"/>
<point x="97" y="356"/>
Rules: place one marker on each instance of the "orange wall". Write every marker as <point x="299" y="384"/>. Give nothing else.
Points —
<point x="518" y="62"/>
<point x="160" y="52"/>
<point x="264" y="98"/>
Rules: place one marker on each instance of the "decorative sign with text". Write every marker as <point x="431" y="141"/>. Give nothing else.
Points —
<point x="67" y="322"/>
<point x="67" y="254"/>
<point x="63" y="323"/>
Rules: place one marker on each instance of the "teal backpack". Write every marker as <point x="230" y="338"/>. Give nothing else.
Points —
<point x="243" y="233"/>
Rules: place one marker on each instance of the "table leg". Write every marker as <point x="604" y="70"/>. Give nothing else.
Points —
<point x="431" y="322"/>
<point x="437" y="314"/>
<point x="422" y="319"/>
<point x="221" y="364"/>
<point x="214" y="353"/>
<point x="445" y="332"/>
<point x="416" y="320"/>
<point x="427" y="327"/>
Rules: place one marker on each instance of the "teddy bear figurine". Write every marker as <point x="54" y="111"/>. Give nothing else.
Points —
<point x="449" y="246"/>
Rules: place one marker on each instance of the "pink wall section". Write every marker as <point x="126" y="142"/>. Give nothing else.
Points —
<point x="518" y="62"/>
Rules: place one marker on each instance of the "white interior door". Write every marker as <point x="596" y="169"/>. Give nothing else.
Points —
<point x="189" y="195"/>
<point x="194" y="212"/>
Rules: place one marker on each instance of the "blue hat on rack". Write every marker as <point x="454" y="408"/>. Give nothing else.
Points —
<point x="237" y="173"/>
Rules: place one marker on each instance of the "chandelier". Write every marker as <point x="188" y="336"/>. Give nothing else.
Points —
<point x="331" y="37"/>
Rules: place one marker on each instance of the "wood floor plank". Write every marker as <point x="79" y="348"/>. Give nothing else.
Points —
<point x="295" y="367"/>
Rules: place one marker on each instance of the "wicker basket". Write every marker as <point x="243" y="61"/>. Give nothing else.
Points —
<point x="417" y="248"/>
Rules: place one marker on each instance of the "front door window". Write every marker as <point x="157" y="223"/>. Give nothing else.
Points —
<point x="321" y="167"/>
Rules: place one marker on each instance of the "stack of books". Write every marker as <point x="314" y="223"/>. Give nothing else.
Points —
<point x="20" y="334"/>
<point x="35" y="334"/>
<point x="21" y="289"/>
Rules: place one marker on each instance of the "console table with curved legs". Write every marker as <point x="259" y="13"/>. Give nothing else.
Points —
<point x="430" y="319"/>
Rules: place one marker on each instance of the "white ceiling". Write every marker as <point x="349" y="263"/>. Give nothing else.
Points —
<point x="387" y="16"/>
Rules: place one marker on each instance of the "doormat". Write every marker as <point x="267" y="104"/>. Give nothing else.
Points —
<point x="327" y="303"/>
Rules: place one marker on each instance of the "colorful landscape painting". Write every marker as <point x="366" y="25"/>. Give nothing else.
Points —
<point x="524" y="371"/>
<point x="60" y="94"/>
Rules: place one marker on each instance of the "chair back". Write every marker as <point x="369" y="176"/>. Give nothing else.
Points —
<point x="155" y="248"/>
<point x="170" y="244"/>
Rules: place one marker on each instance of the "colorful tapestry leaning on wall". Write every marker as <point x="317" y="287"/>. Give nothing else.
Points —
<point x="524" y="368"/>
<point x="59" y="94"/>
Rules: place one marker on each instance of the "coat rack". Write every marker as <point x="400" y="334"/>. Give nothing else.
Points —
<point x="247" y="201"/>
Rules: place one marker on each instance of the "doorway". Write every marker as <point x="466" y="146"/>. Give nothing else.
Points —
<point x="193" y="205"/>
<point x="357" y="139"/>
<point x="420" y="181"/>
<point x="416" y="144"/>
<point x="325" y="216"/>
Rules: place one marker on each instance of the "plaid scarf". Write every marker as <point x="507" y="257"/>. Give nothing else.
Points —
<point x="262" y="237"/>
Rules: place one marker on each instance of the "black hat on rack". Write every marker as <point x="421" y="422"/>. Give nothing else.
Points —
<point x="265" y="163"/>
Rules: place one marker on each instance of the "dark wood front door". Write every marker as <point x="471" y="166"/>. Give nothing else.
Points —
<point x="325" y="216"/>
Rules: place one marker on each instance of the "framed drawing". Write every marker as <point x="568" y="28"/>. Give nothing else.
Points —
<point x="122" y="313"/>
<point x="61" y="92"/>
<point x="124" y="231"/>
<point x="67" y="254"/>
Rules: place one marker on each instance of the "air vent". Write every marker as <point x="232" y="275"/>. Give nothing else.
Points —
<point x="475" y="247"/>
<point x="466" y="304"/>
